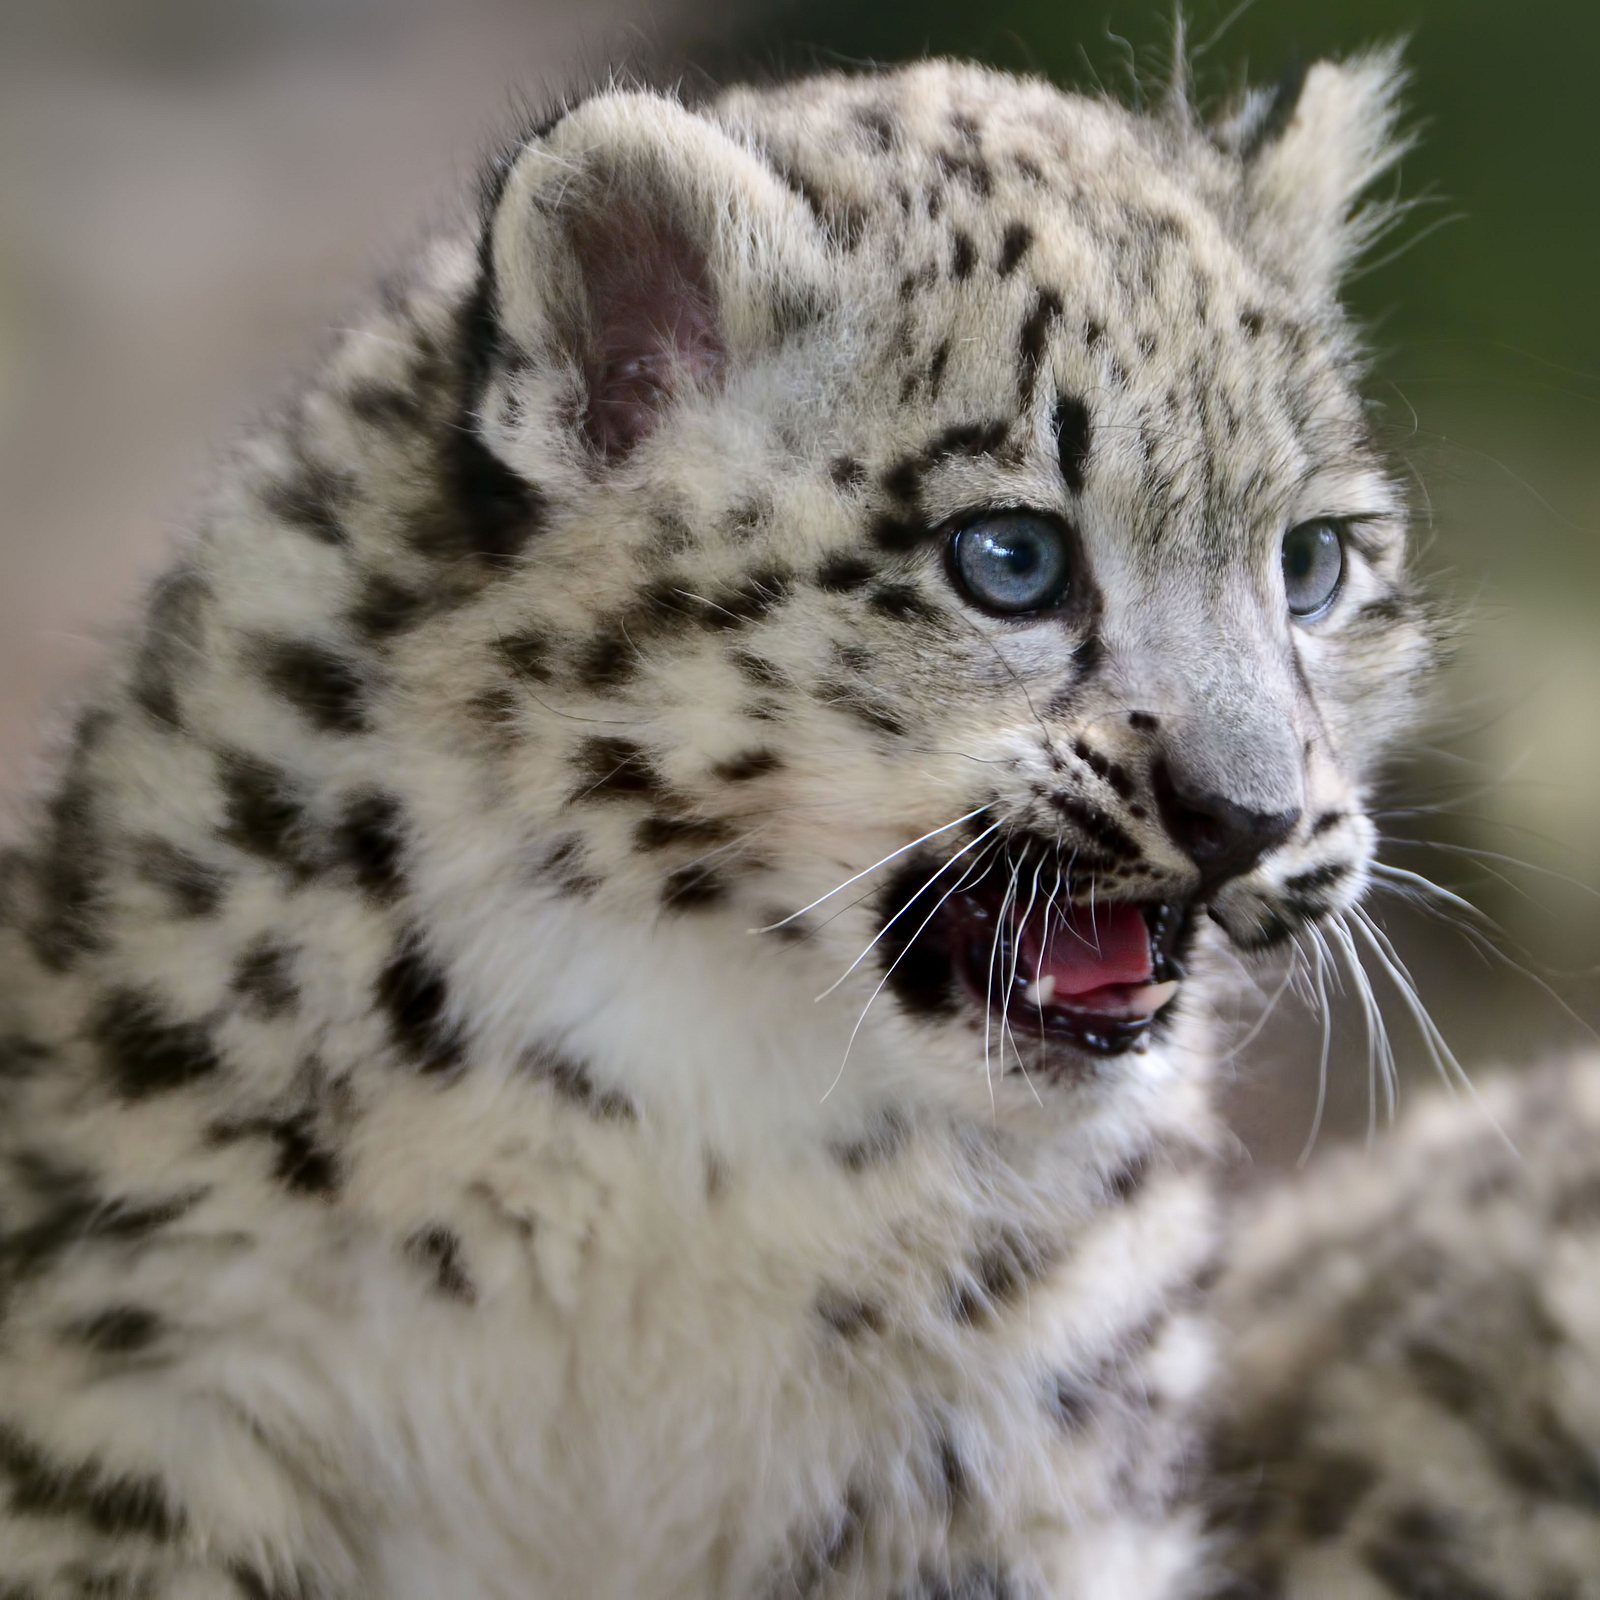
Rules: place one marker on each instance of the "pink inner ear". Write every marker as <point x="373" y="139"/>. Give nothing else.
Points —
<point x="652" y="320"/>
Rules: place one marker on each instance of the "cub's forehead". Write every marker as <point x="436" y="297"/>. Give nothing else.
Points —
<point x="884" y="156"/>
<point x="1004" y="244"/>
<point x="958" y="194"/>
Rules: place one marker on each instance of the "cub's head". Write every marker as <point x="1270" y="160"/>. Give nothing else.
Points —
<point x="961" y="543"/>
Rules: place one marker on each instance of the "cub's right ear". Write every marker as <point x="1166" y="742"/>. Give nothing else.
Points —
<point x="636" y="254"/>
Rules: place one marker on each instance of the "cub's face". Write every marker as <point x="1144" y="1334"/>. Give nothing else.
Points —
<point x="962" y="543"/>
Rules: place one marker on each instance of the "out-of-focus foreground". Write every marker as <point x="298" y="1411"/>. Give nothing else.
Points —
<point x="191" y="192"/>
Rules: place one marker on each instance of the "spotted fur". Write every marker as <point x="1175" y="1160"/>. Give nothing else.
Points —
<point x="1413" y="1403"/>
<point x="416" y="1178"/>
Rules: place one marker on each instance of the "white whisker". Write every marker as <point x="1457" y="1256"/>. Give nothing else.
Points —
<point x="1324" y="959"/>
<point x="972" y="867"/>
<point x="1444" y="1058"/>
<point x="906" y="907"/>
<point x="883" y="861"/>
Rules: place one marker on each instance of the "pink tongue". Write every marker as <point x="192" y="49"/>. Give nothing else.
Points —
<point x="1083" y="953"/>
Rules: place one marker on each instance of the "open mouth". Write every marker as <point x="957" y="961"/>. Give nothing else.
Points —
<point x="1093" y="976"/>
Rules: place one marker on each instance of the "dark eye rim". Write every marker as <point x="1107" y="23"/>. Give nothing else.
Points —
<point x="1341" y="530"/>
<point x="951" y="530"/>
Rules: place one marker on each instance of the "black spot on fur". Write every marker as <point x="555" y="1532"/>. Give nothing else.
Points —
<point x="438" y="1248"/>
<point x="304" y="1165"/>
<point x="955" y="1479"/>
<point x="118" y="1330"/>
<point x="879" y="1143"/>
<point x="309" y="502"/>
<point x="1421" y="1555"/>
<point x="384" y="405"/>
<point x="744" y="602"/>
<point x="904" y="602"/>
<point x="1143" y="721"/>
<point x="263" y="815"/>
<point x="897" y="535"/>
<point x="172" y="641"/>
<point x="67" y="871"/>
<point x="528" y="655"/>
<point x="1013" y="247"/>
<point x="387" y="607"/>
<point x="1129" y="1178"/>
<point x="904" y="479"/>
<point x="21" y="1058"/>
<point x="264" y="979"/>
<point x="1072" y="440"/>
<point x="936" y="368"/>
<point x="1090" y="650"/>
<point x="564" y="862"/>
<point x="1031" y="342"/>
<point x="869" y="713"/>
<point x="748" y="764"/>
<point x="1384" y="611"/>
<point x="1314" y="878"/>
<point x="607" y="659"/>
<point x="759" y="670"/>
<point x="692" y="888"/>
<point x="963" y="256"/>
<point x="849" y="1315"/>
<point x="112" y="1503"/>
<point x="367" y="843"/>
<point x="840" y="574"/>
<point x="968" y="439"/>
<point x="847" y="472"/>
<point x="967" y="166"/>
<point x="663" y="830"/>
<point x="575" y="1084"/>
<point x="1107" y="835"/>
<point x="412" y="991"/>
<point x="192" y="887"/>
<point x="1252" y="322"/>
<point x="72" y="1211"/>
<point x="879" y="125"/>
<point x="323" y="686"/>
<point x="145" y="1051"/>
<point x="609" y="767"/>
<point x="998" y="1276"/>
<point x="301" y="1161"/>
<point x="1071" y="1404"/>
<point x="1331" y="1485"/>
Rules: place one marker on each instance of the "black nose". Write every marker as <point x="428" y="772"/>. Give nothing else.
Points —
<point x="1222" y="838"/>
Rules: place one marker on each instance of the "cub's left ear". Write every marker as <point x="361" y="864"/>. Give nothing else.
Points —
<point x="638" y="254"/>
<point x="1310" y="153"/>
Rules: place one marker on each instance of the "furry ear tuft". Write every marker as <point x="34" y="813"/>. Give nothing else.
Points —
<point x="650" y="329"/>
<point x="1310" y="152"/>
<point x="635" y="250"/>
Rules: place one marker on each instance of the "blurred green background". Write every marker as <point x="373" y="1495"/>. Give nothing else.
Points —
<point x="191" y="191"/>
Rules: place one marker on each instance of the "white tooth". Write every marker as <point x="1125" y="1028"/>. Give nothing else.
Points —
<point x="1042" y="990"/>
<point x="1150" y="997"/>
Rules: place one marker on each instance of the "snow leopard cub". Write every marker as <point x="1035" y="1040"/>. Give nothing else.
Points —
<point x="909" y="539"/>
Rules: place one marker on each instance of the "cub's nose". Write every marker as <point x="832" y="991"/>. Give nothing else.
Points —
<point x="1223" y="838"/>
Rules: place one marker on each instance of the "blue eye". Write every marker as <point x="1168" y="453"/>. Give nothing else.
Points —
<point x="1313" y="565"/>
<point x="1012" y="562"/>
